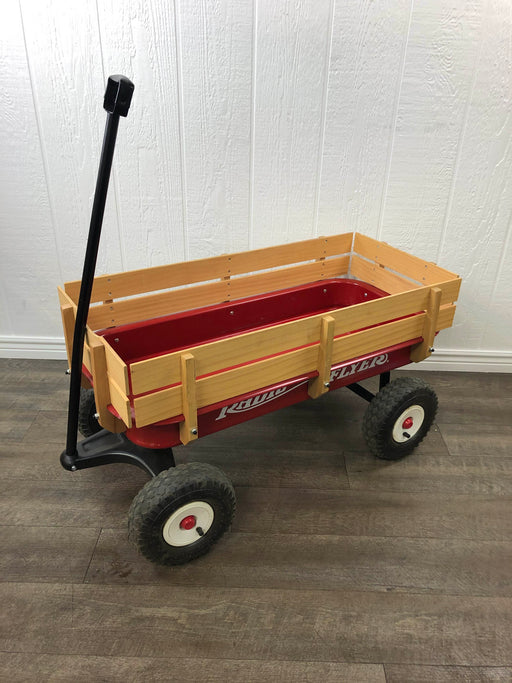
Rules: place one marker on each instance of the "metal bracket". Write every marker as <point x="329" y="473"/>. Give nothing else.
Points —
<point x="105" y="448"/>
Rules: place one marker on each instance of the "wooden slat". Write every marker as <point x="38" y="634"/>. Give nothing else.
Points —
<point x="68" y="313"/>
<point x="117" y="368"/>
<point x="68" y="323"/>
<point x="147" y="375"/>
<point x="188" y="428"/>
<point x="383" y="279"/>
<point x="394" y="284"/>
<point x="178" y="274"/>
<point x="101" y="386"/>
<point x="120" y="402"/>
<point x="423" y="350"/>
<point x="165" y="303"/>
<point x="212" y="389"/>
<point x="287" y="277"/>
<point x="87" y="357"/>
<point x="445" y="318"/>
<point x="399" y="261"/>
<point x="320" y="385"/>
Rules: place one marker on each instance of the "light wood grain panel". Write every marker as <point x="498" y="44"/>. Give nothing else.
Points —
<point x="118" y="285"/>
<point x="147" y="375"/>
<point x="381" y="278"/>
<point x="390" y="282"/>
<point x="116" y="368"/>
<point x="400" y="261"/>
<point x="164" y="303"/>
<point x="120" y="402"/>
<point x="161" y="404"/>
<point x="101" y="384"/>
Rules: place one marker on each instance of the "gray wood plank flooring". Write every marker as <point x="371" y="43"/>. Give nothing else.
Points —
<point x="338" y="566"/>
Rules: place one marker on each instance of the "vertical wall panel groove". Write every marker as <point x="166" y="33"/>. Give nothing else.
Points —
<point x="367" y="45"/>
<point x="325" y="94"/>
<point x="389" y="155"/>
<point x="148" y="157"/>
<point x="28" y="256"/>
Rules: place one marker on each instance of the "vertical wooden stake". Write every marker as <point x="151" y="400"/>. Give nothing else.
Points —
<point x="102" y="388"/>
<point x="423" y="350"/>
<point x="188" y="428"/>
<point x="68" y="323"/>
<point x="320" y="385"/>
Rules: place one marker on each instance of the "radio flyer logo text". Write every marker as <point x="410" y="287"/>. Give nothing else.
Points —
<point x="268" y="396"/>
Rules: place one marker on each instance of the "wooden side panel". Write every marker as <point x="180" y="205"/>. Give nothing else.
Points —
<point x="393" y="283"/>
<point x="87" y="357"/>
<point x="116" y="368"/>
<point x="147" y="375"/>
<point x="165" y="303"/>
<point x="370" y="272"/>
<point x="120" y="402"/>
<point x="68" y="313"/>
<point x="101" y="385"/>
<point x="211" y="389"/>
<point x="68" y="323"/>
<point x="180" y="274"/>
<point x="399" y="261"/>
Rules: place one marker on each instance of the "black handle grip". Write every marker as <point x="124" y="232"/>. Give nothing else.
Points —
<point x="118" y="95"/>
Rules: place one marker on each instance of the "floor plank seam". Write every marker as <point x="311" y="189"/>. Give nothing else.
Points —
<point x="92" y="555"/>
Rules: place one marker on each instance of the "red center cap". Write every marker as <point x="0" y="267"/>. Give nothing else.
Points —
<point x="188" y="522"/>
<point x="407" y="424"/>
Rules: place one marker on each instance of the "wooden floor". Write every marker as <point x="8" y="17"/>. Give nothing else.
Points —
<point x="338" y="567"/>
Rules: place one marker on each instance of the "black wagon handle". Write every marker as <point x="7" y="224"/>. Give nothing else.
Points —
<point x="118" y="96"/>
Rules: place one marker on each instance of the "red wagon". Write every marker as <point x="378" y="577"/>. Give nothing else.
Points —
<point x="176" y="352"/>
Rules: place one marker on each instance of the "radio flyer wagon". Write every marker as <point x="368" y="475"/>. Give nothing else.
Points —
<point x="162" y="356"/>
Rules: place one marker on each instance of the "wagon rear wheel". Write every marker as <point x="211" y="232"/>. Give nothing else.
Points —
<point x="399" y="417"/>
<point x="181" y="513"/>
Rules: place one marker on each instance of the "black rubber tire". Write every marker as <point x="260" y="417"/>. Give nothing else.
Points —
<point x="87" y="422"/>
<point x="166" y="493"/>
<point x="385" y="409"/>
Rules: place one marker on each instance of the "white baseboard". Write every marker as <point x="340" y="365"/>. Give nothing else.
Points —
<point x="52" y="348"/>
<point x="453" y="360"/>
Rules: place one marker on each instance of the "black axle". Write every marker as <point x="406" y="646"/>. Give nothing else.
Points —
<point x="363" y="392"/>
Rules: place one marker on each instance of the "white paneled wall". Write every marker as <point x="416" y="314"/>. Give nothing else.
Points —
<point x="256" y="122"/>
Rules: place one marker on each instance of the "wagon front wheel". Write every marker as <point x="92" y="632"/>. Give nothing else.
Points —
<point x="87" y="416"/>
<point x="399" y="417"/>
<point x="181" y="513"/>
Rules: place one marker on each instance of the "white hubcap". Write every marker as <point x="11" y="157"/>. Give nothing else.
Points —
<point x="187" y="524"/>
<point x="408" y="424"/>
